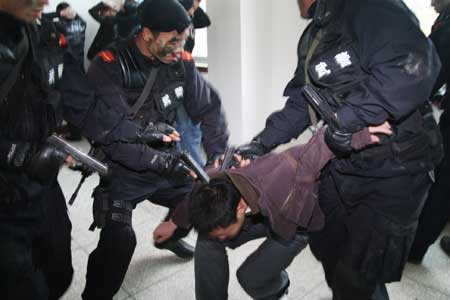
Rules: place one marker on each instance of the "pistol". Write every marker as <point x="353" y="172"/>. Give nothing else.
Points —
<point x="79" y="156"/>
<point x="322" y="106"/>
<point x="228" y="157"/>
<point x="194" y="166"/>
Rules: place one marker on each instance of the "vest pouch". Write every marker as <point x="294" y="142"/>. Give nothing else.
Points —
<point x="416" y="148"/>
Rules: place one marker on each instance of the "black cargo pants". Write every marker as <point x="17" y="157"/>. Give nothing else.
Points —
<point x="108" y="263"/>
<point x="369" y="229"/>
<point x="262" y="275"/>
<point x="35" y="241"/>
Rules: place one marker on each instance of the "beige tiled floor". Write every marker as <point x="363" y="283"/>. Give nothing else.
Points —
<point x="156" y="274"/>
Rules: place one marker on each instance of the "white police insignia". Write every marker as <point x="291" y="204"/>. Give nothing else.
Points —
<point x="322" y="69"/>
<point x="166" y="101"/>
<point x="343" y="59"/>
<point x="179" y="92"/>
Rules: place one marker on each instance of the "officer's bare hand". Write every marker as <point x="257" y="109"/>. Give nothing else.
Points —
<point x="164" y="231"/>
<point x="241" y="161"/>
<point x="170" y="133"/>
<point x="70" y="161"/>
<point x="375" y="131"/>
<point x="173" y="137"/>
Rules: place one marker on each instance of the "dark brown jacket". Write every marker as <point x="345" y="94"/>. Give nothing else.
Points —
<point x="283" y="186"/>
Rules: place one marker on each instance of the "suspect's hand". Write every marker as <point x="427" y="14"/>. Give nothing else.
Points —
<point x="164" y="231"/>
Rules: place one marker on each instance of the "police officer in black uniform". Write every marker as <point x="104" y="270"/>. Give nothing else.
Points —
<point x="107" y="32"/>
<point x="74" y="29"/>
<point x="52" y="46"/>
<point x="35" y="258"/>
<point x="372" y="62"/>
<point x="65" y="29"/>
<point x="138" y="84"/>
<point x="436" y="212"/>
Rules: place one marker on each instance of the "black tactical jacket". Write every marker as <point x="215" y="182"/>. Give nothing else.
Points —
<point x="372" y="60"/>
<point x="118" y="77"/>
<point x="26" y="113"/>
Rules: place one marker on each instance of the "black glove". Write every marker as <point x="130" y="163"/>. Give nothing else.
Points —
<point x="170" y="165"/>
<point x="153" y="133"/>
<point x="176" y="167"/>
<point x="18" y="154"/>
<point x="44" y="165"/>
<point x="252" y="150"/>
<point x="339" y="142"/>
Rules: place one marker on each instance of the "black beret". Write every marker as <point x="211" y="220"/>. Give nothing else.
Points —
<point x="163" y="15"/>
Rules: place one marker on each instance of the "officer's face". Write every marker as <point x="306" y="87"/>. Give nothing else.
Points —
<point x="24" y="10"/>
<point x="304" y="6"/>
<point x="167" y="46"/>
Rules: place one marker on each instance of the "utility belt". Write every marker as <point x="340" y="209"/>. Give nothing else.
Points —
<point x="105" y="210"/>
<point x="412" y="149"/>
<point x="424" y="145"/>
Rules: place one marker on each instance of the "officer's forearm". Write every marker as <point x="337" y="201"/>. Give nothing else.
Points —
<point x="287" y="124"/>
<point x="139" y="157"/>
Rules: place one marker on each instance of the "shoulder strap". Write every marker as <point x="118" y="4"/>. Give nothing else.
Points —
<point x="144" y="95"/>
<point x="11" y="78"/>
<point x="312" y="48"/>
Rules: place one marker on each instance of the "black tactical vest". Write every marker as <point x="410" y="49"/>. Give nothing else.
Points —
<point x="166" y="94"/>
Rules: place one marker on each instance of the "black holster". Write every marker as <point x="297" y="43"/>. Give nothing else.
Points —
<point x="420" y="141"/>
<point x="100" y="207"/>
<point x="104" y="210"/>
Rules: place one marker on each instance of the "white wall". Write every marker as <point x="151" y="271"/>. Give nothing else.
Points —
<point x="424" y="12"/>
<point x="225" y="59"/>
<point x="252" y="55"/>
